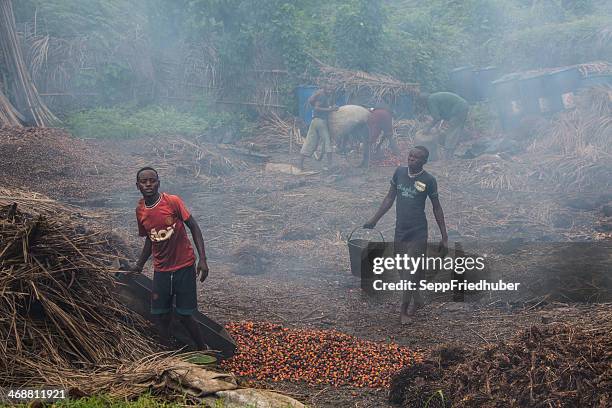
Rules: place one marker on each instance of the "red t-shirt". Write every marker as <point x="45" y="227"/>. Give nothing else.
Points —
<point x="164" y="225"/>
<point x="380" y="120"/>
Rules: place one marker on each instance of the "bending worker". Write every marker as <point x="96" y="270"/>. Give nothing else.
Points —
<point x="451" y="108"/>
<point x="318" y="132"/>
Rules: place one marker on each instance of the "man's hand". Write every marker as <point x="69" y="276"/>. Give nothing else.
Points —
<point x="443" y="247"/>
<point x="132" y="269"/>
<point x="202" y="270"/>
<point x="369" y="225"/>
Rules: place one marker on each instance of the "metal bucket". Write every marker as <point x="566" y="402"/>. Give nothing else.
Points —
<point x="361" y="254"/>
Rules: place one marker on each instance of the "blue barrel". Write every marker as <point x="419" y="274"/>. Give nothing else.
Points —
<point x="507" y="97"/>
<point x="560" y="85"/>
<point x="304" y="109"/>
<point x="596" y="80"/>
<point x="532" y="95"/>
<point x="462" y="83"/>
<point x="483" y="77"/>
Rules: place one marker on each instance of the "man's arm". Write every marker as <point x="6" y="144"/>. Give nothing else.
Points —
<point x="198" y="240"/>
<point x="439" y="214"/>
<point x="384" y="207"/>
<point x="316" y="103"/>
<point x="144" y="255"/>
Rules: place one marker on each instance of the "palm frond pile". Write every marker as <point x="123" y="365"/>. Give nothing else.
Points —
<point x="58" y="307"/>
<point x="379" y="86"/>
<point x="575" y="148"/>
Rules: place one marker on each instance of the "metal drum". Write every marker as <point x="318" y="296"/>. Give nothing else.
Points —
<point x="483" y="78"/>
<point x="596" y="80"/>
<point x="533" y="99"/>
<point x="304" y="109"/>
<point x="462" y="83"/>
<point x="507" y="97"/>
<point x="560" y="86"/>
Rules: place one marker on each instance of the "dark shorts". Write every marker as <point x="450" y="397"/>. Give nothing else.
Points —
<point x="181" y="283"/>
<point x="414" y="249"/>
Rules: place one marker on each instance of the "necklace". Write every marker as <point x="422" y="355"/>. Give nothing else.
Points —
<point x="416" y="174"/>
<point x="155" y="203"/>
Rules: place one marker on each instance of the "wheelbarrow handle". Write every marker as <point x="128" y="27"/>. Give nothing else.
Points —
<point x="374" y="229"/>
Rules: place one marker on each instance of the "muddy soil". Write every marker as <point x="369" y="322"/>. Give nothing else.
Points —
<point x="300" y="224"/>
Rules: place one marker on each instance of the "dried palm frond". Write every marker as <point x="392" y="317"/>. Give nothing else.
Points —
<point x="57" y="301"/>
<point x="274" y="133"/>
<point x="350" y="82"/>
<point x="575" y="150"/>
<point x="28" y="99"/>
<point x="8" y="114"/>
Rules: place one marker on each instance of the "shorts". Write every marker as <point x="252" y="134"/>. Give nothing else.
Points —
<point x="317" y="133"/>
<point x="181" y="283"/>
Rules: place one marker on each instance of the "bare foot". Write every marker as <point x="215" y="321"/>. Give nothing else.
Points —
<point x="404" y="318"/>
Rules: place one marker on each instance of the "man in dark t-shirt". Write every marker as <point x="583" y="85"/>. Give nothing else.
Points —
<point x="411" y="186"/>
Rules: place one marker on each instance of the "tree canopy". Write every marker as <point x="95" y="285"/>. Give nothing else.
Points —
<point x="412" y="40"/>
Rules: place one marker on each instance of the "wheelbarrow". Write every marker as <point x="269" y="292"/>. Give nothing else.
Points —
<point x="135" y="292"/>
<point x="361" y="254"/>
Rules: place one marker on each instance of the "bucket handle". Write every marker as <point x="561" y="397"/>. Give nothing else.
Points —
<point x="374" y="229"/>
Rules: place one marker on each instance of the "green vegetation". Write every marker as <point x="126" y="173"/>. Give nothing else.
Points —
<point x="141" y="52"/>
<point x="126" y="122"/>
<point x="145" y="401"/>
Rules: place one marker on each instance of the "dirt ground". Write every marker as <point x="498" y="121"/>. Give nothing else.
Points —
<point x="298" y="226"/>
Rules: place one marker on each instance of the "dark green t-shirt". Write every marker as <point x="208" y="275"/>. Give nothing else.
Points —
<point x="410" y="221"/>
<point x="445" y="105"/>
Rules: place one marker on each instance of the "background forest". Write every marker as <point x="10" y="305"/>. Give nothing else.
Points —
<point x="152" y="66"/>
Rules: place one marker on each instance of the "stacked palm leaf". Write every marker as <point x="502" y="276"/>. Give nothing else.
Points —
<point x="553" y="365"/>
<point x="380" y="87"/>
<point x="576" y="148"/>
<point x="275" y="133"/>
<point x="57" y="305"/>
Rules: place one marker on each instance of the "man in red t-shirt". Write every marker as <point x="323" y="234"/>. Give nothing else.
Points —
<point x="161" y="220"/>
<point x="379" y="121"/>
